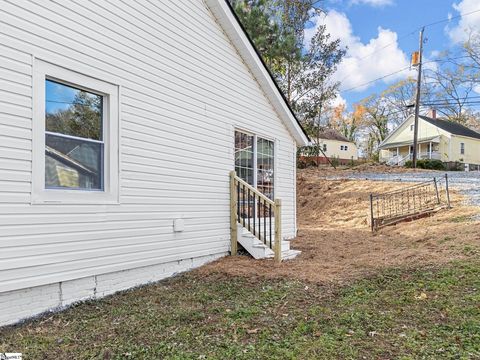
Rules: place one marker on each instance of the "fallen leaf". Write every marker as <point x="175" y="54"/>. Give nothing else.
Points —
<point x="422" y="296"/>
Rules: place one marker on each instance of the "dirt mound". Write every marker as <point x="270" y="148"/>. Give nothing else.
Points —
<point x="337" y="244"/>
<point x="326" y="171"/>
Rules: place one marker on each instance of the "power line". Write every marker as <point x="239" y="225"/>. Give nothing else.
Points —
<point x="418" y="29"/>
<point x="400" y="70"/>
<point x="451" y="104"/>
<point x="372" y="81"/>
<point x="452" y="18"/>
<point x="410" y="34"/>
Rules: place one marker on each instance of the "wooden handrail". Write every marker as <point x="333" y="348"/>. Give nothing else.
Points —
<point x="255" y="191"/>
<point x="235" y="184"/>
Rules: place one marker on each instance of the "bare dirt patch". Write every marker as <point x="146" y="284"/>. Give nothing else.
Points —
<point x="367" y="168"/>
<point x="337" y="244"/>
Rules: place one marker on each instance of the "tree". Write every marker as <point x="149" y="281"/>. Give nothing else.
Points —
<point x="454" y="83"/>
<point x="348" y="124"/>
<point x="257" y="18"/>
<point x="306" y="78"/>
<point x="303" y="71"/>
<point x="452" y="87"/>
<point x="83" y="118"/>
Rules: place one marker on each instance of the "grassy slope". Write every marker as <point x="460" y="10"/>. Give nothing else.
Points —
<point x="192" y="317"/>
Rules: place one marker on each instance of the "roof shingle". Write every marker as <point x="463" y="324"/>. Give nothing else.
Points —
<point x="452" y="127"/>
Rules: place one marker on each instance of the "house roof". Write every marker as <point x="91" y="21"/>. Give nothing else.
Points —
<point x="331" y="134"/>
<point x="452" y="127"/>
<point x="67" y="160"/>
<point x="448" y="126"/>
<point x="226" y="17"/>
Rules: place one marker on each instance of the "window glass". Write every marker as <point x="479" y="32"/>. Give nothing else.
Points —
<point x="265" y="164"/>
<point x="462" y="148"/>
<point x="244" y="155"/>
<point x="255" y="155"/>
<point x="346" y="147"/>
<point x="74" y="149"/>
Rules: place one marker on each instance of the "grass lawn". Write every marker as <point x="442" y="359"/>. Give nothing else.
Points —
<point x="429" y="313"/>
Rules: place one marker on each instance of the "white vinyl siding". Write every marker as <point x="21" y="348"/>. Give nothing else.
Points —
<point x="183" y="91"/>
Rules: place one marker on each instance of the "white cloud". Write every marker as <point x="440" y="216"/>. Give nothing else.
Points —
<point x="467" y="24"/>
<point x="375" y="3"/>
<point x="339" y="100"/>
<point x="359" y="66"/>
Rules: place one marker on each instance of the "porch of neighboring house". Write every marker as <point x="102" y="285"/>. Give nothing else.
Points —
<point x="399" y="153"/>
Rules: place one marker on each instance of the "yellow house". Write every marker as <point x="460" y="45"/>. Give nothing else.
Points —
<point x="437" y="139"/>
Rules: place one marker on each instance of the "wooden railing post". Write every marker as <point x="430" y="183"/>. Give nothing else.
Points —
<point x="278" y="230"/>
<point x="233" y="214"/>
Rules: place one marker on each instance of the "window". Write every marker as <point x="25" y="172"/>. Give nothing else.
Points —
<point x="462" y="148"/>
<point x="265" y="165"/>
<point x="345" y="147"/>
<point x="412" y="127"/>
<point x="244" y="153"/>
<point x="341" y="147"/>
<point x="75" y="137"/>
<point x="74" y="143"/>
<point x="254" y="161"/>
<point x="324" y="147"/>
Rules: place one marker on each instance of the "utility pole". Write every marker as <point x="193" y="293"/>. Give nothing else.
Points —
<point x="417" y="101"/>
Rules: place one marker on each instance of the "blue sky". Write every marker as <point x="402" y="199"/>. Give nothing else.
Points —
<point x="58" y="96"/>
<point x="367" y="26"/>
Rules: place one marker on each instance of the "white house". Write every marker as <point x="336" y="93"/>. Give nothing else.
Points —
<point x="120" y="122"/>
<point x="334" y="145"/>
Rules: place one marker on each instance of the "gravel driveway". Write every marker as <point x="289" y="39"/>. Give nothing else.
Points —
<point x="467" y="183"/>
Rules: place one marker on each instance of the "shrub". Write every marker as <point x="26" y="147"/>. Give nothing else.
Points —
<point x="351" y="163"/>
<point x="430" y="164"/>
<point x="433" y="164"/>
<point x="335" y="161"/>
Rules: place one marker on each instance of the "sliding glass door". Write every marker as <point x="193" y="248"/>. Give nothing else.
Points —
<point x="254" y="161"/>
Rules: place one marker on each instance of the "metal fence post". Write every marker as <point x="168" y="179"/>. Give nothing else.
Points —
<point x="436" y="190"/>
<point x="372" y="225"/>
<point x="447" y="191"/>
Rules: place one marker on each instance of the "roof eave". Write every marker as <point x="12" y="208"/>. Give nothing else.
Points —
<point x="230" y="24"/>
<point x="394" y="131"/>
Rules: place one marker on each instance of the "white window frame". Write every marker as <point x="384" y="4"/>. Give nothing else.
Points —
<point x="255" y="160"/>
<point x="109" y="195"/>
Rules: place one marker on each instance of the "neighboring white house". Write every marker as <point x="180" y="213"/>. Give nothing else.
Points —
<point x="334" y="145"/>
<point x="119" y="121"/>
